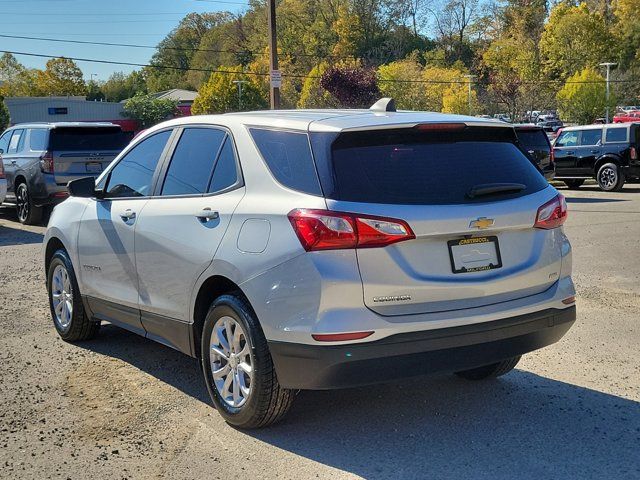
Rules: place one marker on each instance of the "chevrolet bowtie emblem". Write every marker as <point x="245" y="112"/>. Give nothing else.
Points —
<point x="482" y="223"/>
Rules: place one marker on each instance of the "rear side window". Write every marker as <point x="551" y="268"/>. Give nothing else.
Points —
<point x="591" y="137"/>
<point x="226" y="173"/>
<point x="133" y="175"/>
<point x="533" y="139"/>
<point x="427" y="168"/>
<point x="192" y="162"/>
<point x="616" y="135"/>
<point x="88" y="138"/>
<point x="38" y="140"/>
<point x="288" y="156"/>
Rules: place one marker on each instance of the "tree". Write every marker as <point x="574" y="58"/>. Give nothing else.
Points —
<point x="220" y="94"/>
<point x="313" y="95"/>
<point x="353" y="87"/>
<point x="574" y="39"/>
<point x="583" y="97"/>
<point x="15" y="79"/>
<point x="94" y="92"/>
<point x="4" y="115"/>
<point x="61" y="77"/>
<point x="121" y="87"/>
<point x="148" y="110"/>
<point x="402" y="80"/>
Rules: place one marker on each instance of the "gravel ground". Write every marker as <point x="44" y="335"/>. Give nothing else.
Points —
<point x="124" y="407"/>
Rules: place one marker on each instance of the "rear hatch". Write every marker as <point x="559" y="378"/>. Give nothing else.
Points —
<point x="84" y="151"/>
<point x="470" y="196"/>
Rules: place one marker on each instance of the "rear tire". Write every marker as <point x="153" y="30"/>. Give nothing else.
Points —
<point x="490" y="371"/>
<point x="574" y="184"/>
<point x="65" y="302"/>
<point x="28" y="213"/>
<point x="245" y="389"/>
<point x="610" y="178"/>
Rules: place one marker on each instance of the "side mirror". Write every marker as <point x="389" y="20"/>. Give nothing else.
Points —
<point x="1" y="151"/>
<point x="82" y="187"/>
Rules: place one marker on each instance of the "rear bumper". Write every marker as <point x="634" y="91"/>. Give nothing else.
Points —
<point x="319" y="367"/>
<point x="3" y="189"/>
<point x="45" y="191"/>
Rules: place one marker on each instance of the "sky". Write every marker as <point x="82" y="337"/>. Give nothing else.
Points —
<point x="140" y="22"/>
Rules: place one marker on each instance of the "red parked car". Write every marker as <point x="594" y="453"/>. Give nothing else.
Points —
<point x="624" y="117"/>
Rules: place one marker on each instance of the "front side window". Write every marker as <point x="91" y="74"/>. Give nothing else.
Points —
<point x="616" y="135"/>
<point x="16" y="141"/>
<point x="226" y="172"/>
<point x="288" y="156"/>
<point x="192" y="161"/>
<point x="567" y="139"/>
<point x="133" y="175"/>
<point x="591" y="137"/>
<point x="4" y="142"/>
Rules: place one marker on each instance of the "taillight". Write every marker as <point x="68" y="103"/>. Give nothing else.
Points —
<point x="2" y="175"/>
<point x="633" y="153"/>
<point x="552" y="214"/>
<point x="46" y="162"/>
<point x="328" y="230"/>
<point x="552" y="157"/>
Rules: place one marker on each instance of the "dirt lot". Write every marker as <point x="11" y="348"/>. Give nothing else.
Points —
<point x="124" y="407"/>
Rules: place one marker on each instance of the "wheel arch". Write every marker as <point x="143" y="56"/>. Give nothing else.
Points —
<point x="20" y="178"/>
<point x="606" y="159"/>
<point x="53" y="245"/>
<point x="212" y="288"/>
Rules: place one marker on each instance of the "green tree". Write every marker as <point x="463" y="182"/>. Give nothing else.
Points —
<point x="402" y="80"/>
<point x="573" y="39"/>
<point x="15" y="79"/>
<point x="4" y="115"/>
<point x="148" y="110"/>
<point x="313" y="95"/>
<point x="94" y="91"/>
<point x="120" y="86"/>
<point x="219" y="94"/>
<point x="583" y="97"/>
<point x="61" y="77"/>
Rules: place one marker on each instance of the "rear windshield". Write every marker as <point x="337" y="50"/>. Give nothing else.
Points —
<point x="406" y="166"/>
<point x="533" y="139"/>
<point x="78" y="138"/>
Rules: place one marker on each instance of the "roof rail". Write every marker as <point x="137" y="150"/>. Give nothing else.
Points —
<point x="386" y="104"/>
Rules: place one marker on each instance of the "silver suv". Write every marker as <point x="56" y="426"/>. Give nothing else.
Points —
<point x="316" y="250"/>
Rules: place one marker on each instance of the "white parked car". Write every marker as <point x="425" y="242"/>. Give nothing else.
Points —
<point x="318" y="249"/>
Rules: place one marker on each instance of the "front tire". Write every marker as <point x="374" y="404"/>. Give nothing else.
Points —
<point x="490" y="371"/>
<point x="574" y="184"/>
<point x="610" y="178"/>
<point x="237" y="366"/>
<point x="65" y="302"/>
<point x="28" y="213"/>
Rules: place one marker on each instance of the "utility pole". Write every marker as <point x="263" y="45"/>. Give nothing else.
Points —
<point x="274" y="88"/>
<point x="239" y="83"/>
<point x="469" y="77"/>
<point x="608" y="65"/>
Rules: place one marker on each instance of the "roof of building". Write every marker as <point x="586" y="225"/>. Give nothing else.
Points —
<point x="177" y="94"/>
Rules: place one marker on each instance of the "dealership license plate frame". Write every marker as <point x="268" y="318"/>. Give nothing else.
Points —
<point x="492" y="239"/>
<point x="93" y="167"/>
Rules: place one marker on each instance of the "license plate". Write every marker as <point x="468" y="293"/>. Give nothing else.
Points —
<point x="94" y="167"/>
<point x="474" y="254"/>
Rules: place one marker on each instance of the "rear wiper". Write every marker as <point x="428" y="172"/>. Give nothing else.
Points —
<point x="493" y="188"/>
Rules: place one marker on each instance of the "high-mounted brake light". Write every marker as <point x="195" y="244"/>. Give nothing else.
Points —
<point x="46" y="162"/>
<point x="552" y="214"/>
<point x="440" y="126"/>
<point x="329" y="230"/>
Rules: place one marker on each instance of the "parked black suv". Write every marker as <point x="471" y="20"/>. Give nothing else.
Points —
<point x="535" y="142"/>
<point x="608" y="153"/>
<point x="41" y="158"/>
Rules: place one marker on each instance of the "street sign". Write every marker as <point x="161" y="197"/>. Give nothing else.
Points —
<point x="276" y="78"/>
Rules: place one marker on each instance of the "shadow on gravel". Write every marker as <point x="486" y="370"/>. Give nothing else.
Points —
<point x="520" y="426"/>
<point x="16" y="236"/>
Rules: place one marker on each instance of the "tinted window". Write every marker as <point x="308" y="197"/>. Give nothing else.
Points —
<point x="16" y="141"/>
<point x="533" y="139"/>
<point x="226" y="172"/>
<point x="193" y="161"/>
<point x="567" y="139"/>
<point x="288" y="157"/>
<point x="4" y="142"/>
<point x="133" y="174"/>
<point x="591" y="137"/>
<point x="94" y="138"/>
<point x="38" y="140"/>
<point x="616" y="135"/>
<point x="408" y="167"/>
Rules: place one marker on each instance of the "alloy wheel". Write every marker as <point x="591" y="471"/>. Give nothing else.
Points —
<point x="608" y="177"/>
<point x="231" y="362"/>
<point x="62" y="296"/>
<point x="22" y="203"/>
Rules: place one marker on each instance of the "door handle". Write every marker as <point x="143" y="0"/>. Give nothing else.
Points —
<point x="14" y="162"/>
<point x="128" y="214"/>
<point x="570" y="153"/>
<point x="595" y="151"/>
<point x="207" y="214"/>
